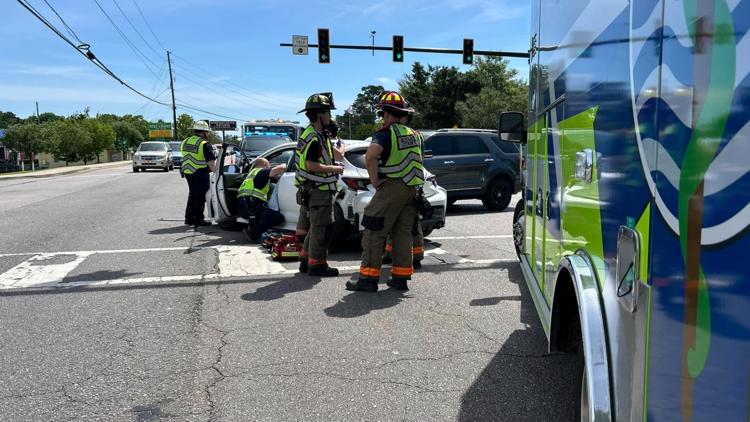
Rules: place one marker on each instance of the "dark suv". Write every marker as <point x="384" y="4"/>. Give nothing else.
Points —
<point x="474" y="163"/>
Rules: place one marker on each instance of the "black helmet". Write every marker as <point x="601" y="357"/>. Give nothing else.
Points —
<point x="322" y="101"/>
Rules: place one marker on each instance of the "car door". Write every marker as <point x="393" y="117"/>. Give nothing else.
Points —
<point x="443" y="160"/>
<point x="284" y="196"/>
<point x="472" y="161"/>
<point x="225" y="183"/>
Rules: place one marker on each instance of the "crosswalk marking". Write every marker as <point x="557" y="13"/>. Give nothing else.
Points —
<point x="48" y="270"/>
<point x="40" y="270"/>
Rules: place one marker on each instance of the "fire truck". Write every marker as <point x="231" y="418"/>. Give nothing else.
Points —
<point x="635" y="214"/>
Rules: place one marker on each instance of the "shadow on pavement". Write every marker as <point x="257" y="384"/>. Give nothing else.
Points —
<point x="282" y="288"/>
<point x="471" y="209"/>
<point x="489" y="301"/>
<point x="522" y="382"/>
<point x="182" y="228"/>
<point x="100" y="275"/>
<point x="357" y="304"/>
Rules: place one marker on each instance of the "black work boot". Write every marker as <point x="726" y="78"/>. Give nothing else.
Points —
<point x="303" y="265"/>
<point x="363" y="285"/>
<point x="416" y="264"/>
<point x="398" y="283"/>
<point x="322" y="271"/>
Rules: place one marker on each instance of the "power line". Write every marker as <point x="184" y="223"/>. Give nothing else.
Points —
<point x="148" y="25"/>
<point x="68" y="28"/>
<point x="84" y="49"/>
<point x="135" y="29"/>
<point x="132" y="46"/>
<point x="188" y="107"/>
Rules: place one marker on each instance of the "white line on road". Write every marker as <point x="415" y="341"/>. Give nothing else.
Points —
<point x="41" y="270"/>
<point x="496" y="236"/>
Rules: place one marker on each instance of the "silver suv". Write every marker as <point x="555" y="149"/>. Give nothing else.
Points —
<point x="474" y="163"/>
<point x="153" y="155"/>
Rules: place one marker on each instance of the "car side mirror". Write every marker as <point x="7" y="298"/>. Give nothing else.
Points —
<point x="428" y="153"/>
<point x="512" y="127"/>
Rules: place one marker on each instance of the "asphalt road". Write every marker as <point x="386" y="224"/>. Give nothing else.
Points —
<point x="111" y="309"/>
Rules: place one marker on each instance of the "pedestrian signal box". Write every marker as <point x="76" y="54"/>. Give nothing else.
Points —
<point x="324" y="46"/>
<point x="398" y="48"/>
<point x="468" y="51"/>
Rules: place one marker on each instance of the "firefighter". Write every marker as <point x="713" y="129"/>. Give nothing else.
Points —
<point x="317" y="182"/>
<point x="253" y="199"/>
<point x="394" y="164"/>
<point x="417" y="238"/>
<point x="197" y="163"/>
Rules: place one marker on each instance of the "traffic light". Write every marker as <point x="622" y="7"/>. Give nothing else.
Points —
<point x="398" y="48"/>
<point x="468" y="51"/>
<point x="324" y="46"/>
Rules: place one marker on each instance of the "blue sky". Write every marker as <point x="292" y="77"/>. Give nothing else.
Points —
<point x="249" y="76"/>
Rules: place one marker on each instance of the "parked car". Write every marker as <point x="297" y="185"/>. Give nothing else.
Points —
<point x="176" y="153"/>
<point x="355" y="193"/>
<point x="474" y="163"/>
<point x="153" y="155"/>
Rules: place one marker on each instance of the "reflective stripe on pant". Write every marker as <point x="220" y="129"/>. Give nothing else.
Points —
<point x="392" y="209"/>
<point x="417" y="241"/>
<point x="320" y="226"/>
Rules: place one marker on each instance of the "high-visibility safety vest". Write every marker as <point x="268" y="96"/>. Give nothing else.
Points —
<point x="248" y="187"/>
<point x="405" y="161"/>
<point x="323" y="181"/>
<point x="193" y="158"/>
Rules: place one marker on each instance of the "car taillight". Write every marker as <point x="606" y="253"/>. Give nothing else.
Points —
<point x="355" y="184"/>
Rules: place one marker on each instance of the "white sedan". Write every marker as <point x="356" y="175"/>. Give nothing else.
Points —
<point x="354" y="194"/>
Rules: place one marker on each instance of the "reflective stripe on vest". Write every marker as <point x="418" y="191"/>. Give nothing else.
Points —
<point x="405" y="161"/>
<point x="193" y="158"/>
<point x="323" y="181"/>
<point x="248" y="187"/>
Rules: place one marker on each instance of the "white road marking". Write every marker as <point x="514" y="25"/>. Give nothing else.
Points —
<point x="48" y="270"/>
<point x="496" y="236"/>
<point x="35" y="271"/>
<point x="238" y="261"/>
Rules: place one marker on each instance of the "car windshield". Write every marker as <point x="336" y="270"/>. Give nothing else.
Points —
<point x="153" y="146"/>
<point x="357" y="157"/>
<point x="254" y="145"/>
<point x="175" y="145"/>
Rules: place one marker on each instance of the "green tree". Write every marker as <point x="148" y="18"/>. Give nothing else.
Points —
<point x="8" y="119"/>
<point x="138" y="122"/>
<point x="26" y="138"/>
<point x="366" y="103"/>
<point x="127" y="136"/>
<point x="70" y="138"/>
<point x="185" y="124"/>
<point x="501" y="90"/>
<point x="101" y="137"/>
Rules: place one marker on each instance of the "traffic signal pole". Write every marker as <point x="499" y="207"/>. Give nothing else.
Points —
<point x="489" y="53"/>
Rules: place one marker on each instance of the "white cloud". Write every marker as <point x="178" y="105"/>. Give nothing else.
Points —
<point x="387" y="82"/>
<point x="46" y="70"/>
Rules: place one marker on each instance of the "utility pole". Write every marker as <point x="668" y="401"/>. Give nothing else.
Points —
<point x="174" y="106"/>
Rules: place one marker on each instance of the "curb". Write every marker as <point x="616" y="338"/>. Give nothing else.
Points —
<point x="63" y="171"/>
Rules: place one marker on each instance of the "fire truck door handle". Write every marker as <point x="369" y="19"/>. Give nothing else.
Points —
<point x="449" y="162"/>
<point x="489" y="160"/>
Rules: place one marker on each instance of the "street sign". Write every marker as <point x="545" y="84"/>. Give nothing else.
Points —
<point x="159" y="126"/>
<point x="223" y="125"/>
<point x="299" y="43"/>
<point x="160" y="133"/>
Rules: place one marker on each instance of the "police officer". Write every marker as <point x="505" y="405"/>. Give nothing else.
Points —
<point x="417" y="248"/>
<point x="198" y="160"/>
<point x="316" y="180"/>
<point x="253" y="199"/>
<point x="394" y="163"/>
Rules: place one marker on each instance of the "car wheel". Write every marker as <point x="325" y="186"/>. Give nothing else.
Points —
<point x="519" y="225"/>
<point x="427" y="231"/>
<point x="135" y="170"/>
<point x="498" y="195"/>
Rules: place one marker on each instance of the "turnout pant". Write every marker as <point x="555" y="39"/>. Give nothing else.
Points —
<point x="393" y="209"/>
<point x="198" y="185"/>
<point x="316" y="219"/>
<point x="263" y="218"/>
<point x="417" y="241"/>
